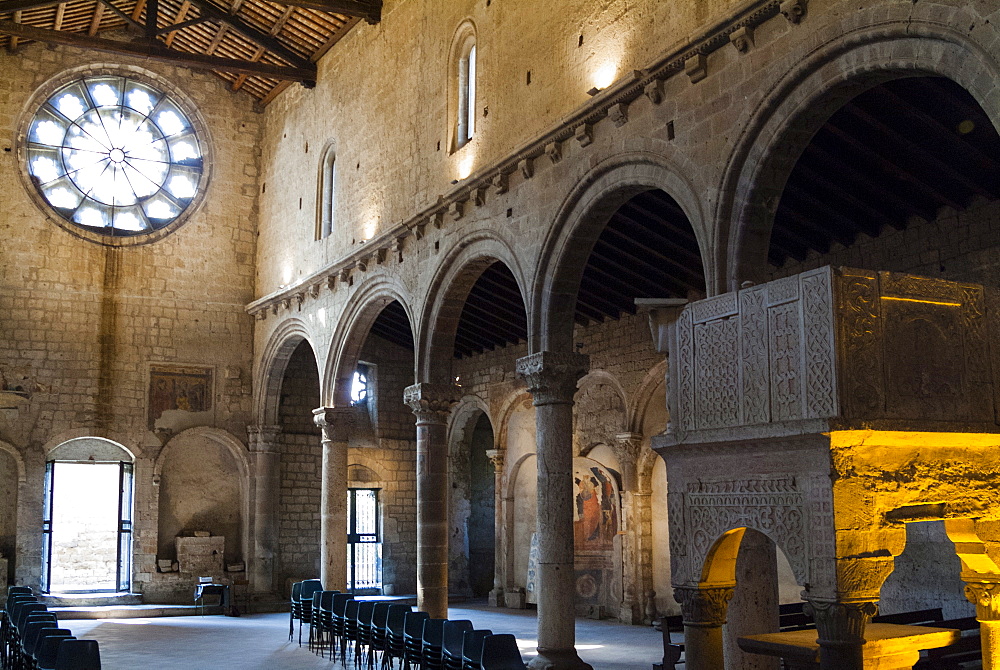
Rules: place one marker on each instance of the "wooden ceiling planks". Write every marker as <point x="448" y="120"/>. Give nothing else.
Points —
<point x="249" y="31"/>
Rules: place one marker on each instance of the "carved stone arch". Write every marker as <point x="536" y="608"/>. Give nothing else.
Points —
<point x="457" y="273"/>
<point x="654" y="378"/>
<point x="644" y="468"/>
<point x="361" y="311"/>
<point x="718" y="567"/>
<point x="82" y="433"/>
<point x="600" y="415"/>
<point x="513" y="471"/>
<point x="465" y="415"/>
<point x="273" y="363"/>
<point x="581" y="218"/>
<point x="706" y="510"/>
<point x="822" y="78"/>
<point x="15" y="453"/>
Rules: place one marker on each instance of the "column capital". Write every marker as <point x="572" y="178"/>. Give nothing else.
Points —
<point x="627" y="447"/>
<point x="335" y="422"/>
<point x="263" y="437"/>
<point x="552" y="375"/>
<point x="841" y="623"/>
<point x="431" y="403"/>
<point x="984" y="593"/>
<point x="496" y="457"/>
<point x="704" y="606"/>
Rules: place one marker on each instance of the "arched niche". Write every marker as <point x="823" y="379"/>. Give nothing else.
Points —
<point x="202" y="476"/>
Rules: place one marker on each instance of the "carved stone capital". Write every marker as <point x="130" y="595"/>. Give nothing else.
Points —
<point x="431" y="403"/>
<point x="263" y="438"/>
<point x="551" y="376"/>
<point x="654" y="91"/>
<point x="496" y="457"/>
<point x="841" y="623"/>
<point x="627" y="447"/>
<point x="335" y="422"/>
<point x="704" y="606"/>
<point x="985" y="595"/>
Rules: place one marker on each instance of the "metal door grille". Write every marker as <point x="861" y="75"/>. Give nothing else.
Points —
<point x="364" y="541"/>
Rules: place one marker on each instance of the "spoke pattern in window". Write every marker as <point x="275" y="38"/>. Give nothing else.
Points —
<point x="114" y="155"/>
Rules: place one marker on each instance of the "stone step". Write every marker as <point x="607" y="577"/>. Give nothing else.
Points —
<point x="130" y="611"/>
<point x="91" y="599"/>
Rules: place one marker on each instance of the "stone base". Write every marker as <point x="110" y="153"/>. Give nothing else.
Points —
<point x="496" y="598"/>
<point x="558" y="659"/>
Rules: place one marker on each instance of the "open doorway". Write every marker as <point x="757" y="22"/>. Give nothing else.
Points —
<point x="364" y="542"/>
<point x="87" y="525"/>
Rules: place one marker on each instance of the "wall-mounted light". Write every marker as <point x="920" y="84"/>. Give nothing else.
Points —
<point x="603" y="77"/>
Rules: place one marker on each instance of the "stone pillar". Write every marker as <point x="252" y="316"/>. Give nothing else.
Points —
<point x="984" y="593"/>
<point x="432" y="403"/>
<point x="635" y="504"/>
<point x="265" y="461"/>
<point x="704" y="613"/>
<point x="496" y="457"/>
<point x="335" y="423"/>
<point x="754" y="607"/>
<point x="841" y="628"/>
<point x="551" y="379"/>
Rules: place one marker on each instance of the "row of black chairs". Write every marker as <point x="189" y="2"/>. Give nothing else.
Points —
<point x="377" y="633"/>
<point x="31" y="638"/>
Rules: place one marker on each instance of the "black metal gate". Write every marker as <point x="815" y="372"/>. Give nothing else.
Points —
<point x="364" y="541"/>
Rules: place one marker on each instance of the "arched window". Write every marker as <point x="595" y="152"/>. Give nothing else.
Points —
<point x="327" y="199"/>
<point x="463" y="85"/>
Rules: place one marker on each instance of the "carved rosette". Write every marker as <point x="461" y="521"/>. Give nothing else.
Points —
<point x="263" y="438"/>
<point x="841" y="623"/>
<point x="335" y="422"/>
<point x="431" y="403"/>
<point x="985" y="595"/>
<point x="552" y="376"/>
<point x="704" y="606"/>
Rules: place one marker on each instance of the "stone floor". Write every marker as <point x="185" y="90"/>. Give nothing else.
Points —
<point x="260" y="641"/>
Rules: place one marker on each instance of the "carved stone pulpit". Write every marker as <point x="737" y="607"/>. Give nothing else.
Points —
<point x="826" y="410"/>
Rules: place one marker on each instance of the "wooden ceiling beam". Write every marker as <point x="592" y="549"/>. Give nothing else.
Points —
<point x="125" y="17"/>
<point x="60" y="15"/>
<point x="371" y="11"/>
<point x="12" y="44"/>
<point x="306" y="75"/>
<point x="246" y="30"/>
<point x="95" y="20"/>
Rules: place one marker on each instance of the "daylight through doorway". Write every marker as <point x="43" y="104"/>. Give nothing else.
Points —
<point x="88" y="527"/>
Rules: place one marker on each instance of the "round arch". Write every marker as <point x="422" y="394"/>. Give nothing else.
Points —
<point x="580" y="220"/>
<point x="277" y="353"/>
<point x="352" y="330"/>
<point x="86" y="433"/>
<point x="217" y="435"/>
<point x="18" y="460"/>
<point x="651" y="382"/>
<point x="450" y="287"/>
<point x="778" y="129"/>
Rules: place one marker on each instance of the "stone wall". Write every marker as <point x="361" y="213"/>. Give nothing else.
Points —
<point x="83" y="322"/>
<point x="8" y="512"/>
<point x="301" y="457"/>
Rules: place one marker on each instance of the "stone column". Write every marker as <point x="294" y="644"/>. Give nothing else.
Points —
<point x="496" y="457"/>
<point x="551" y="379"/>
<point x="704" y="613"/>
<point x="335" y="423"/>
<point x="634" y="511"/>
<point x="754" y="607"/>
<point x="841" y="628"/>
<point x="265" y="461"/>
<point x="984" y="593"/>
<point x="432" y="403"/>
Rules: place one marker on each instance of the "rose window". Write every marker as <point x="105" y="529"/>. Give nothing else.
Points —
<point x="114" y="156"/>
